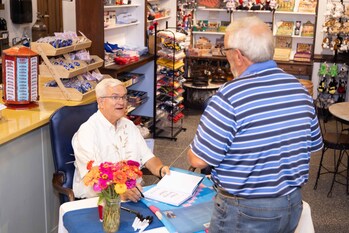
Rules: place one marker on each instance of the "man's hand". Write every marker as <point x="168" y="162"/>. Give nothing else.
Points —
<point x="133" y="194"/>
<point x="164" y="170"/>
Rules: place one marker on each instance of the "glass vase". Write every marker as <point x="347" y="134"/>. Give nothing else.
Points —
<point x="111" y="215"/>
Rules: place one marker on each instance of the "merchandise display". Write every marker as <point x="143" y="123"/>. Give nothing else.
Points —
<point x="70" y="73"/>
<point x="333" y="83"/>
<point x="336" y="27"/>
<point x="169" y="91"/>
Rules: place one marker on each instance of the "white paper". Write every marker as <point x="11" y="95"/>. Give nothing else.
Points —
<point x="175" y="188"/>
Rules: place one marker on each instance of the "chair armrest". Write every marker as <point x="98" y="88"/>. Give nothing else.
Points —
<point x="57" y="182"/>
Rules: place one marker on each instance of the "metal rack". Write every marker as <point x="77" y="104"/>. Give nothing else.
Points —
<point x="173" y="129"/>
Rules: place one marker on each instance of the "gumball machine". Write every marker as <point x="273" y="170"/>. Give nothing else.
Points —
<point x="20" y="67"/>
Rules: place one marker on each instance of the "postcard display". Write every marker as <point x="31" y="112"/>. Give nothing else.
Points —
<point x="20" y="75"/>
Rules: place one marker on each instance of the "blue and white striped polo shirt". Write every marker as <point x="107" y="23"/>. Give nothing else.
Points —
<point x="258" y="132"/>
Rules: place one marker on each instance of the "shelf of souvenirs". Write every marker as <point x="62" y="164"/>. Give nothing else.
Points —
<point x="159" y="19"/>
<point x="112" y="7"/>
<point x="212" y="57"/>
<point x="114" y="26"/>
<point x="208" y="33"/>
<point x="332" y="58"/>
<point x="211" y="9"/>
<point x="295" y="36"/>
<point x="128" y="67"/>
<point x="294" y="13"/>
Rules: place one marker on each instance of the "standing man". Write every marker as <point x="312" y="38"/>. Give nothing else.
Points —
<point x="257" y="134"/>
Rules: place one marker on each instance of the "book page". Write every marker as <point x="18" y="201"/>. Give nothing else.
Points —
<point x="179" y="181"/>
<point x="175" y="188"/>
<point x="167" y="196"/>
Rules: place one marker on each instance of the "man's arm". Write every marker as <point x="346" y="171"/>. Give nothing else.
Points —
<point x="155" y="166"/>
<point x="196" y="161"/>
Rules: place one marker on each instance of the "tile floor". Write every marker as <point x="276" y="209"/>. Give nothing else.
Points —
<point x="330" y="215"/>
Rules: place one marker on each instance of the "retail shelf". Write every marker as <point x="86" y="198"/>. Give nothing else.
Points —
<point x="158" y="19"/>
<point x="106" y="8"/>
<point x="123" y="68"/>
<point x="208" y="33"/>
<point x="120" y="26"/>
<point x="294" y="13"/>
<point x="210" y="9"/>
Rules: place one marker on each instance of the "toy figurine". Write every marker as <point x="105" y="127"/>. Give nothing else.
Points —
<point x="243" y="5"/>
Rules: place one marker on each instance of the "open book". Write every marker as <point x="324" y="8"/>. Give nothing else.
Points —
<point x="174" y="189"/>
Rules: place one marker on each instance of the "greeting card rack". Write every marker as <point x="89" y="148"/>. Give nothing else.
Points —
<point x="168" y="79"/>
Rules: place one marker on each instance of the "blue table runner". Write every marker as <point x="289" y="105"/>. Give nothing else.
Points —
<point x="87" y="220"/>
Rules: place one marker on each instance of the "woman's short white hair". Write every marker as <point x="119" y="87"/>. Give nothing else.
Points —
<point x="102" y="86"/>
<point x="252" y="37"/>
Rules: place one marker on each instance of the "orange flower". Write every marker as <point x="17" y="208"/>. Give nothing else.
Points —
<point x="119" y="177"/>
<point x="92" y="176"/>
<point x="89" y="164"/>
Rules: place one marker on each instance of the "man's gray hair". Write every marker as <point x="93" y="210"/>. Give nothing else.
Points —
<point x="102" y="86"/>
<point x="252" y="37"/>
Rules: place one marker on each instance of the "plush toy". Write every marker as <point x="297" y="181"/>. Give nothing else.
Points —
<point x="273" y="5"/>
<point x="243" y="5"/>
<point x="342" y="86"/>
<point x="230" y="5"/>
<point x="325" y="43"/>
<point x="323" y="71"/>
<point x="334" y="70"/>
<point x="332" y="86"/>
<point x="338" y="10"/>
<point x="330" y="7"/>
<point x="266" y="5"/>
<point x="343" y="71"/>
<point x="256" y="5"/>
<point x="322" y="85"/>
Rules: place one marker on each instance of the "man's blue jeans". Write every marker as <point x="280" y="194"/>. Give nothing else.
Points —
<point x="260" y="215"/>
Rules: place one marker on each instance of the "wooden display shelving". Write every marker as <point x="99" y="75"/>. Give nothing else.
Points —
<point x="50" y="72"/>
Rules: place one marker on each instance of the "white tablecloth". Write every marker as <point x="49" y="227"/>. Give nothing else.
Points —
<point x="305" y="223"/>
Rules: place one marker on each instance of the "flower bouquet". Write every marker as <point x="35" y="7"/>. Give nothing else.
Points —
<point x="110" y="180"/>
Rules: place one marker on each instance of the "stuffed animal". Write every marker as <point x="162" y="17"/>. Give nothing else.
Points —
<point x="332" y="86"/>
<point x="273" y="5"/>
<point x="323" y="71"/>
<point x="322" y="85"/>
<point x="338" y="10"/>
<point x="325" y="43"/>
<point x="230" y="5"/>
<point x="342" y="86"/>
<point x="333" y="70"/>
<point x="243" y="5"/>
<point x="330" y="7"/>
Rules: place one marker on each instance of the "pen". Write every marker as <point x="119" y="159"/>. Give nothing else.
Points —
<point x="140" y="192"/>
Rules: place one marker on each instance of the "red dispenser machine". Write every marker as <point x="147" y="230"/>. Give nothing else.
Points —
<point x="20" y="68"/>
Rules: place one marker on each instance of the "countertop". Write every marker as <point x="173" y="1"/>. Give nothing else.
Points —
<point x="18" y="120"/>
